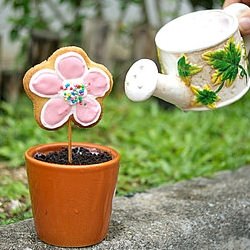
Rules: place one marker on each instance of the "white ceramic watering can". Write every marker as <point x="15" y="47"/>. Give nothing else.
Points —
<point x="203" y="58"/>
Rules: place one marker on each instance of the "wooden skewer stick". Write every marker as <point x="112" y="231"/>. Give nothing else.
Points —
<point x="69" y="142"/>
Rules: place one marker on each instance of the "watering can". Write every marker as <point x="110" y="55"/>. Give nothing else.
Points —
<point x="203" y="60"/>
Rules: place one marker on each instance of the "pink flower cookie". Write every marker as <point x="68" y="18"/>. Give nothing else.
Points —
<point x="67" y="86"/>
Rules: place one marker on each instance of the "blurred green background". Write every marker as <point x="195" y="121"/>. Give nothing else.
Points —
<point x="158" y="143"/>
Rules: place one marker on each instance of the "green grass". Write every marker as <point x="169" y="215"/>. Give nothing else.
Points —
<point x="12" y="191"/>
<point x="157" y="146"/>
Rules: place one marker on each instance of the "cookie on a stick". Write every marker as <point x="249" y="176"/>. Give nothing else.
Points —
<point x="68" y="87"/>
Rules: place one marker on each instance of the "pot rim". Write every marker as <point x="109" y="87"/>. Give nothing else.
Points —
<point x="29" y="153"/>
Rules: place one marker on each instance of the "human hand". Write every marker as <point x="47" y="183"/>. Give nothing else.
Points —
<point x="244" y="19"/>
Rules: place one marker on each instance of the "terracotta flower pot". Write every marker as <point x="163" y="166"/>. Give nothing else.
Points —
<point x="71" y="204"/>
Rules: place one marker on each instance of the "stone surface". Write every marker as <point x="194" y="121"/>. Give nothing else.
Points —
<point x="198" y="214"/>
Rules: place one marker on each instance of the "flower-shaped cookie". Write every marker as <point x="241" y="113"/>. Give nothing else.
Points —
<point x="67" y="86"/>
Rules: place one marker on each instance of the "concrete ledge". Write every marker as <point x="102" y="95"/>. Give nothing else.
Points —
<point x="197" y="214"/>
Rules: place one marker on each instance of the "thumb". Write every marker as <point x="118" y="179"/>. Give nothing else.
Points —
<point x="244" y="23"/>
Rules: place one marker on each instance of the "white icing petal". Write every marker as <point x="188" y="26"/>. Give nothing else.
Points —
<point x="97" y="82"/>
<point x="55" y="113"/>
<point x="70" y="65"/>
<point x="88" y="112"/>
<point x="45" y="83"/>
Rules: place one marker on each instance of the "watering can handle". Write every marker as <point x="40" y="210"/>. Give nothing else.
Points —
<point x="237" y="9"/>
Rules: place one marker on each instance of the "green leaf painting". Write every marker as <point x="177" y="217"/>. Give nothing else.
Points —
<point x="226" y="63"/>
<point x="205" y="96"/>
<point x="186" y="69"/>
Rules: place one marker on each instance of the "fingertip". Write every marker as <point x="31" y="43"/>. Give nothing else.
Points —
<point x="229" y="2"/>
<point x="244" y="23"/>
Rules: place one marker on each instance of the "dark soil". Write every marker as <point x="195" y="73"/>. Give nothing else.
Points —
<point x="80" y="156"/>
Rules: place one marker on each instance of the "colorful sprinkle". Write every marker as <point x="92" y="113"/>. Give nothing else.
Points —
<point x="73" y="93"/>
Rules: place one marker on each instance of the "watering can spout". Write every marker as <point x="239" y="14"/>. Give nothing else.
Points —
<point x="143" y="81"/>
